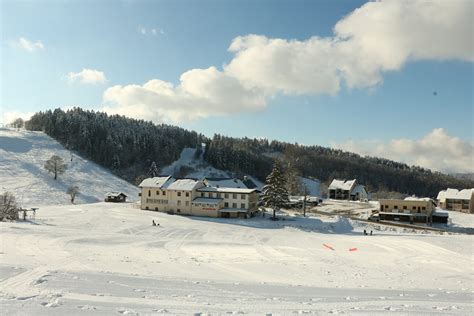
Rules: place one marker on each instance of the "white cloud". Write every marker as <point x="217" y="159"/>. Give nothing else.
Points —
<point x="152" y="31"/>
<point x="437" y="151"/>
<point x="28" y="45"/>
<point x="87" y="76"/>
<point x="10" y="116"/>
<point x="375" y="38"/>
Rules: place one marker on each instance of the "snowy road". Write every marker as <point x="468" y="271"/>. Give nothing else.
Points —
<point x="103" y="259"/>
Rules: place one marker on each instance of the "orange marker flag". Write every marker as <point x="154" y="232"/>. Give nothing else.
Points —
<point x="352" y="249"/>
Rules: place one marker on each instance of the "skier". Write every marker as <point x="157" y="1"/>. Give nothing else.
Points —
<point x="370" y="233"/>
<point x="153" y="222"/>
<point x="365" y="232"/>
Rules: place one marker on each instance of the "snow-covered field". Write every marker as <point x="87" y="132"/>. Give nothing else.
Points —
<point x="22" y="157"/>
<point x="104" y="258"/>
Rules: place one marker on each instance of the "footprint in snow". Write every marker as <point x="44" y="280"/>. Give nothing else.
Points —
<point x="161" y="311"/>
<point x="390" y="308"/>
<point x="128" y="312"/>
<point x="139" y="290"/>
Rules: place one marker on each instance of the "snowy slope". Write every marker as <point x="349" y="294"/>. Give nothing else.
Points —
<point x="107" y="259"/>
<point x="198" y="168"/>
<point x="22" y="157"/>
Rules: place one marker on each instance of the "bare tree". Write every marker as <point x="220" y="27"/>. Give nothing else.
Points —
<point x="73" y="191"/>
<point x="18" y="123"/>
<point x="8" y="207"/>
<point x="55" y="165"/>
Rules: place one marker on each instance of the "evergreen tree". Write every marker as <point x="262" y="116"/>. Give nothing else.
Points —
<point x="153" y="171"/>
<point x="275" y="194"/>
<point x="115" y="163"/>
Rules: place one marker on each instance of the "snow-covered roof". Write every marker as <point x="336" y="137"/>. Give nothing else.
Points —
<point x="414" y="198"/>
<point x="183" y="185"/>
<point x="207" y="200"/>
<point x="226" y="190"/>
<point x="455" y="194"/>
<point x="441" y="213"/>
<point x="115" y="194"/>
<point x="156" y="182"/>
<point x="342" y="184"/>
<point x="225" y="183"/>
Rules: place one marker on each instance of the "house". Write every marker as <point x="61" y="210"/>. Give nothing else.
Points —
<point x="411" y="210"/>
<point x="194" y="197"/>
<point x="347" y="190"/>
<point x="455" y="200"/>
<point x="115" y="197"/>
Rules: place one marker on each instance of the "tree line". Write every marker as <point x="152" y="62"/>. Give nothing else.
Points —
<point x="134" y="148"/>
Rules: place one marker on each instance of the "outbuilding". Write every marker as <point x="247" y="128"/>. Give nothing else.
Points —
<point x="115" y="197"/>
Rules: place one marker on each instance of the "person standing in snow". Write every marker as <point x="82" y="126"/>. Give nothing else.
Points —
<point x="153" y="222"/>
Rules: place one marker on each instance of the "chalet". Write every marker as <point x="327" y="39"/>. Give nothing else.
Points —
<point x="194" y="197"/>
<point x="115" y="197"/>
<point x="455" y="200"/>
<point x="411" y="209"/>
<point x="347" y="190"/>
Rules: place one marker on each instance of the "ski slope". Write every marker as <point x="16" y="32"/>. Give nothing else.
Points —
<point x="22" y="157"/>
<point x="107" y="259"/>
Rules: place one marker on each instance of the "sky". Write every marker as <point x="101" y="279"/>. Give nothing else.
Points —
<point x="390" y="78"/>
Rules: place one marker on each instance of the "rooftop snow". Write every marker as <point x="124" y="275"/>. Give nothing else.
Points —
<point x="183" y="184"/>
<point x="455" y="194"/>
<point x="342" y="184"/>
<point x="156" y="182"/>
<point x="115" y="194"/>
<point x="226" y="190"/>
<point x="225" y="183"/>
<point x="414" y="198"/>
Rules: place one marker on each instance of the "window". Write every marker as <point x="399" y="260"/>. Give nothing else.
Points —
<point x="423" y="208"/>
<point x="179" y="193"/>
<point x="157" y="192"/>
<point x="242" y="196"/>
<point x="386" y="206"/>
<point x="202" y="194"/>
<point x="226" y="195"/>
<point x="179" y="211"/>
<point x="219" y="195"/>
<point x="149" y="192"/>
<point x="234" y="205"/>
<point x="187" y="203"/>
<point x="226" y="204"/>
<point x="163" y="192"/>
<point x="242" y="205"/>
<point x="404" y="207"/>
<point x="156" y="209"/>
<point x="187" y="194"/>
<point x="179" y="202"/>
<point x="211" y="195"/>
<point x="395" y="207"/>
<point x="414" y="208"/>
<point x="234" y="196"/>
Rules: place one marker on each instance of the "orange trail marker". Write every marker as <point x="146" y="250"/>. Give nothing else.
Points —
<point x="327" y="246"/>
<point x="353" y="249"/>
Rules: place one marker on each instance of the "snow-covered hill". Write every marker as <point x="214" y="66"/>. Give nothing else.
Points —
<point x="107" y="259"/>
<point x="22" y="157"/>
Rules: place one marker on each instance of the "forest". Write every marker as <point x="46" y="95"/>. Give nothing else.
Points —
<point x="129" y="147"/>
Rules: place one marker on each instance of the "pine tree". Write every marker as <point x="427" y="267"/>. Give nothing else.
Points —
<point x="115" y="163"/>
<point x="153" y="171"/>
<point x="275" y="194"/>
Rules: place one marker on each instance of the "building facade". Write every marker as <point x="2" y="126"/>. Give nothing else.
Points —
<point x="193" y="197"/>
<point x="455" y="200"/>
<point x="409" y="210"/>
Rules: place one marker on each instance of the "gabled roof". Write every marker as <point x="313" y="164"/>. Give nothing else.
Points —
<point x="115" y="194"/>
<point x="342" y="185"/>
<point x="465" y="194"/>
<point x="184" y="185"/>
<point x="157" y="182"/>
<point x="224" y="183"/>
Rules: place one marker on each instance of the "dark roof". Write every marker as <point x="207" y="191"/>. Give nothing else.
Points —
<point x="249" y="183"/>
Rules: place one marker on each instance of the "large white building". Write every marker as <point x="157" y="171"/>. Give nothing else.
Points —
<point x="194" y="197"/>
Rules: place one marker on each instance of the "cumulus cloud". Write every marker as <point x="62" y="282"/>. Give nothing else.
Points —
<point x="437" y="151"/>
<point x="28" y="45"/>
<point x="376" y="38"/>
<point x="9" y="116"/>
<point x="87" y="76"/>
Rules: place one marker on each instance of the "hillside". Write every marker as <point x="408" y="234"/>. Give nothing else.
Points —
<point x="128" y="147"/>
<point x="22" y="157"/>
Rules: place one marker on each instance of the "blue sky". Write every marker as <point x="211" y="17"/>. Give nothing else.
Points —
<point x="133" y="42"/>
